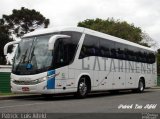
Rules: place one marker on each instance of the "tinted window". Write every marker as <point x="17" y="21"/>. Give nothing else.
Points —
<point x="120" y="50"/>
<point x="65" y="49"/>
<point x="94" y="46"/>
<point x="105" y="47"/>
<point x="151" y="57"/>
<point x="90" y="47"/>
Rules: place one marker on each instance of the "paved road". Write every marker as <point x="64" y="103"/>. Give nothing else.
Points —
<point x="94" y="103"/>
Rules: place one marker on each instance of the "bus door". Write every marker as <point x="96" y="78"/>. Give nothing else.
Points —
<point x="61" y="61"/>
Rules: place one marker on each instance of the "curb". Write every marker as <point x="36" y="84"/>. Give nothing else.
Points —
<point x="21" y="96"/>
<point x="157" y="87"/>
<point x="17" y="96"/>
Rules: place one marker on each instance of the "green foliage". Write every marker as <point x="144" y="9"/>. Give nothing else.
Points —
<point x="116" y="28"/>
<point x="24" y="20"/>
<point x="4" y="38"/>
<point x="158" y="51"/>
<point x="158" y="61"/>
<point x="19" y="23"/>
<point x="158" y="80"/>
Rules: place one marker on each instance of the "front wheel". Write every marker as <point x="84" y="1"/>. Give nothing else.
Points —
<point x="82" y="88"/>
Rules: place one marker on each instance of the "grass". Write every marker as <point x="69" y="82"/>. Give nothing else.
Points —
<point x="6" y="94"/>
<point x="158" y="80"/>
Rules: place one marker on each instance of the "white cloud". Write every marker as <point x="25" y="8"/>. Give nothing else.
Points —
<point x="142" y="13"/>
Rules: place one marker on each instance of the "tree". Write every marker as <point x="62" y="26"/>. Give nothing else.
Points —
<point x="122" y="30"/>
<point x="24" y="20"/>
<point x="19" y="23"/>
<point x="148" y="40"/>
<point x="158" y="61"/>
<point x="116" y="28"/>
<point x="4" y="38"/>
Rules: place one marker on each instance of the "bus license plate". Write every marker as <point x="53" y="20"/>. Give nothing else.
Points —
<point x="25" y="88"/>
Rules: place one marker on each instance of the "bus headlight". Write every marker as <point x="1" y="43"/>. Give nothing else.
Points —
<point x="12" y="80"/>
<point x="41" y="79"/>
<point x="30" y="82"/>
<point x="54" y="75"/>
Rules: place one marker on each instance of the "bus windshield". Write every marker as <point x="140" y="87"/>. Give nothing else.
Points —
<point x="32" y="55"/>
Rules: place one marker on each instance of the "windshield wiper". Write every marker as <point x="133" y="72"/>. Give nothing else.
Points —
<point x="32" y="54"/>
<point x="22" y="59"/>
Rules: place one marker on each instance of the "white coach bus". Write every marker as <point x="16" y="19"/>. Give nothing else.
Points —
<point x="78" y="60"/>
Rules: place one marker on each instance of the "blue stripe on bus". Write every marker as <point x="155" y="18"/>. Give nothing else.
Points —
<point x="51" y="81"/>
<point x="51" y="72"/>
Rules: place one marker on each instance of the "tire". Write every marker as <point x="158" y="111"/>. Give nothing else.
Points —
<point x="83" y="88"/>
<point x="140" y="87"/>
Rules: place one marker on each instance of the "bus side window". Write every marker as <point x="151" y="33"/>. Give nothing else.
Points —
<point x="83" y="52"/>
<point x="59" y="52"/>
<point x="152" y="58"/>
<point x="120" y="54"/>
<point x="105" y="52"/>
<point x="131" y="55"/>
<point x="90" y="47"/>
<point x="120" y="50"/>
<point x="62" y="52"/>
<point x="113" y="53"/>
<point x="126" y="54"/>
<point x="145" y="57"/>
<point x="91" y="51"/>
<point x="140" y="55"/>
<point x="105" y="48"/>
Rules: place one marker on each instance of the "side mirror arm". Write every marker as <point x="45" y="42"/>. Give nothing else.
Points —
<point x="53" y="39"/>
<point x="8" y="44"/>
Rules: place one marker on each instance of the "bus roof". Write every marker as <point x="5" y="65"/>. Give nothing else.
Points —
<point x="86" y="31"/>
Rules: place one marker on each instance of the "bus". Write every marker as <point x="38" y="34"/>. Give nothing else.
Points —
<point x="79" y="60"/>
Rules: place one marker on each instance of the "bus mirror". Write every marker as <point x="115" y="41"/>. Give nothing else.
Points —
<point x="53" y="39"/>
<point x="8" y="44"/>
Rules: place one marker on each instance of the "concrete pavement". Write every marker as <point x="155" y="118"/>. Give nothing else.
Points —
<point x="18" y="96"/>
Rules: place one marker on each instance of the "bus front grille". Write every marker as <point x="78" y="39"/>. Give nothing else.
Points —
<point x="25" y="82"/>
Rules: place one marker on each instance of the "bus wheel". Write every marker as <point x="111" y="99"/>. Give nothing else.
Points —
<point x="82" y="88"/>
<point x="140" y="86"/>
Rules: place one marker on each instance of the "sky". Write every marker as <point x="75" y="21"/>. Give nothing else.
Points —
<point x="142" y="13"/>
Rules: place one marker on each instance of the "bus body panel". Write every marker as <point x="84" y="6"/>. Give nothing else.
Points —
<point x="105" y="73"/>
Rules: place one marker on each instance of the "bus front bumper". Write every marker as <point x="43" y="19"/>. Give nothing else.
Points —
<point x="40" y="88"/>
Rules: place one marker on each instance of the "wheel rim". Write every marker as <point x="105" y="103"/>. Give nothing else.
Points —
<point x="141" y="86"/>
<point x="83" y="88"/>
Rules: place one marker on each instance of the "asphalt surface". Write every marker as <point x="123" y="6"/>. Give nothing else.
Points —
<point x="94" y="103"/>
